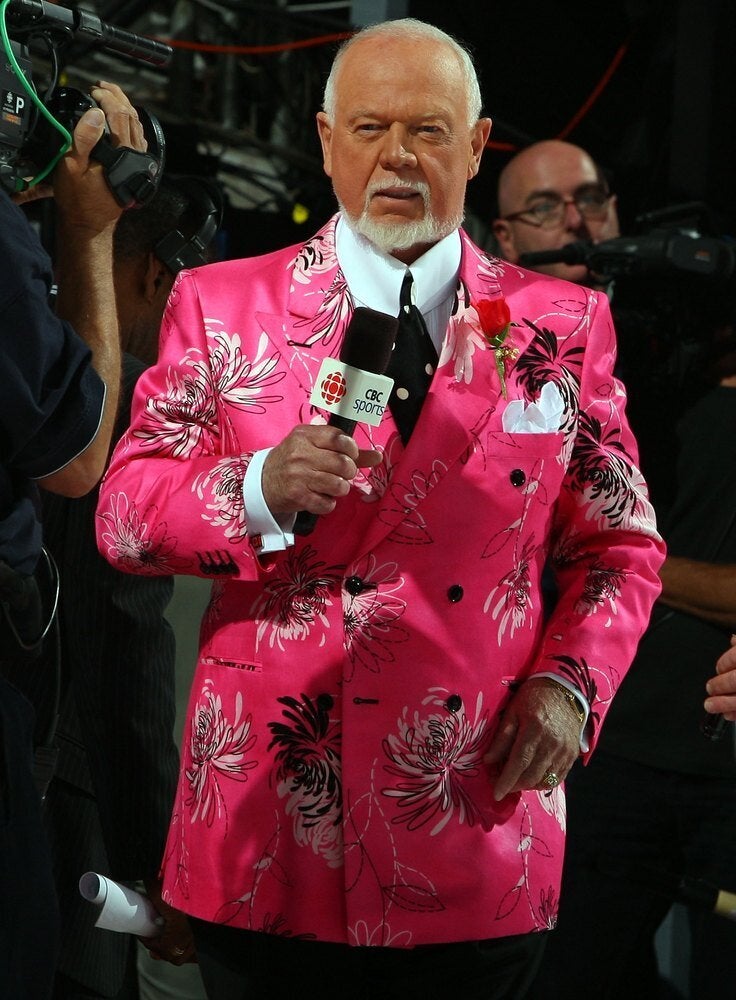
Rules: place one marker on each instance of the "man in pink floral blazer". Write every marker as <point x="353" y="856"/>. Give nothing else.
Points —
<point x="381" y="713"/>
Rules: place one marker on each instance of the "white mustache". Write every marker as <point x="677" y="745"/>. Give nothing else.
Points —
<point x="415" y="187"/>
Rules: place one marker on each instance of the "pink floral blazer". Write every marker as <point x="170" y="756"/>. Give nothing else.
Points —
<point x="332" y="783"/>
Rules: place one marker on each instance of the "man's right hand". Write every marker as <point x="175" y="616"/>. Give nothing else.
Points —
<point x="722" y="688"/>
<point x="83" y="198"/>
<point x="312" y="468"/>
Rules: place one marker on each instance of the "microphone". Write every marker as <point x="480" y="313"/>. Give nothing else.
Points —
<point x="677" y="887"/>
<point x="31" y="13"/>
<point x="713" y="727"/>
<point x="356" y="384"/>
<point x="698" y="892"/>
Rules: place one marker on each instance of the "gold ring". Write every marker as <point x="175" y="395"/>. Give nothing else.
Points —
<point x="551" y="780"/>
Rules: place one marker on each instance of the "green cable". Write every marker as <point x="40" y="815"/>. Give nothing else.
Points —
<point x="67" y="145"/>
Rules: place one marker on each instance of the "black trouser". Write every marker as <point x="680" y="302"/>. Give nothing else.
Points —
<point x="632" y="831"/>
<point x="28" y="909"/>
<point x="246" y="965"/>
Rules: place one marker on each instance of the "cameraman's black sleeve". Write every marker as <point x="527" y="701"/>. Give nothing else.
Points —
<point x="52" y="399"/>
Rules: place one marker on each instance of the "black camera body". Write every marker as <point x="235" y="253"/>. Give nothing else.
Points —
<point x="15" y="109"/>
<point x="30" y="141"/>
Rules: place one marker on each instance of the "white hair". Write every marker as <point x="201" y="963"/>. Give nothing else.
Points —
<point x="411" y="28"/>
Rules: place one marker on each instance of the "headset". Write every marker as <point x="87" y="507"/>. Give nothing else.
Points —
<point x="178" y="251"/>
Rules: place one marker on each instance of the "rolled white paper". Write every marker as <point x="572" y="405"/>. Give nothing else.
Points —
<point x="121" y="908"/>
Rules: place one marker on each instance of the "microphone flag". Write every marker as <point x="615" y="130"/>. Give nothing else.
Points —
<point x="351" y="393"/>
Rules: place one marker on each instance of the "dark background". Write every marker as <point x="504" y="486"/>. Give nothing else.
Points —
<point x="663" y="124"/>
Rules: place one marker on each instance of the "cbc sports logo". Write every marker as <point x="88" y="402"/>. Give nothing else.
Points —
<point x="333" y="388"/>
<point x="350" y="392"/>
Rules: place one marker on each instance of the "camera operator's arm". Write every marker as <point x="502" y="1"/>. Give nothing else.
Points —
<point x="86" y="216"/>
<point x="707" y="590"/>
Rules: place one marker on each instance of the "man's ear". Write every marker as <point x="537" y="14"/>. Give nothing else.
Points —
<point x="505" y="239"/>
<point x="478" y="139"/>
<point x="325" y="137"/>
<point x="156" y="274"/>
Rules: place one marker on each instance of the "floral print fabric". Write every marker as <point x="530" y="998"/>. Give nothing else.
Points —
<point x="332" y="782"/>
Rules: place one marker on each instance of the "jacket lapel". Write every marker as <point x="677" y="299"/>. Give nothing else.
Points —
<point x="465" y="394"/>
<point x="318" y="307"/>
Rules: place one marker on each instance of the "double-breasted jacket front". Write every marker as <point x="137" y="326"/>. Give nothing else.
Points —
<point x="332" y="782"/>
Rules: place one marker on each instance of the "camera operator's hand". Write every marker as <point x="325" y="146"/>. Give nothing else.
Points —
<point x="82" y="196"/>
<point x="86" y="216"/>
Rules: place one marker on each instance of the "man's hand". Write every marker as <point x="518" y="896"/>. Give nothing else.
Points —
<point x="721" y="689"/>
<point x="539" y="732"/>
<point x="175" y="943"/>
<point x="311" y="468"/>
<point x="83" y="198"/>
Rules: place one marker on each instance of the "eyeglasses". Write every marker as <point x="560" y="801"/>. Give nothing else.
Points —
<point x="548" y="211"/>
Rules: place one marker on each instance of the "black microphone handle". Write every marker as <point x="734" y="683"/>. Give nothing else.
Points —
<point x="713" y="727"/>
<point x="306" y="521"/>
<point x="675" y="886"/>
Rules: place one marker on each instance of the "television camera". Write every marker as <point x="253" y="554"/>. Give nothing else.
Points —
<point x="35" y="132"/>
<point x="672" y="242"/>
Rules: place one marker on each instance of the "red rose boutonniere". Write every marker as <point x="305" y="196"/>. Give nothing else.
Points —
<point x="495" y="321"/>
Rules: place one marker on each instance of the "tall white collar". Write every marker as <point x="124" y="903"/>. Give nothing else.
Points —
<point x="374" y="278"/>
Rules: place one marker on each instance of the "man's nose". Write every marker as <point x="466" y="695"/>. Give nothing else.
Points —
<point x="396" y="152"/>
<point x="573" y="217"/>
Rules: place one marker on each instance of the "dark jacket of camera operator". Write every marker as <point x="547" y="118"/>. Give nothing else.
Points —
<point x="52" y="398"/>
<point x="60" y="373"/>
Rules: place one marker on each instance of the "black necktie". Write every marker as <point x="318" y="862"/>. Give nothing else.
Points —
<point x="412" y="364"/>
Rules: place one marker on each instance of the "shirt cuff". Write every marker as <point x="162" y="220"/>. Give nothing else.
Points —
<point x="266" y="532"/>
<point x="584" y="742"/>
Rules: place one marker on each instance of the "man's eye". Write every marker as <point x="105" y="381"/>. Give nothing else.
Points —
<point x="593" y="200"/>
<point x="544" y="208"/>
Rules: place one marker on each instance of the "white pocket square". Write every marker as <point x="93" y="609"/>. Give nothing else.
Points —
<point x="542" y="417"/>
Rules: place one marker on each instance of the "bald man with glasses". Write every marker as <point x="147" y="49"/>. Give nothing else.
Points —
<point x="550" y="194"/>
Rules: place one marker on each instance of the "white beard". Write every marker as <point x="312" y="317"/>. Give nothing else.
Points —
<point x="392" y="236"/>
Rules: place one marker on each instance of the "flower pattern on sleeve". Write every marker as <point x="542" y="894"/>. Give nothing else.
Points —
<point x="138" y="541"/>
<point x="188" y="418"/>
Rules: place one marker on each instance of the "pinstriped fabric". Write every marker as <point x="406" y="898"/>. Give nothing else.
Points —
<point x="108" y="806"/>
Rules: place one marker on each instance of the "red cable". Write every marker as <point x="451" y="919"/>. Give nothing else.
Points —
<point x="177" y="43"/>
<point x="597" y="91"/>
<point x="583" y="110"/>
